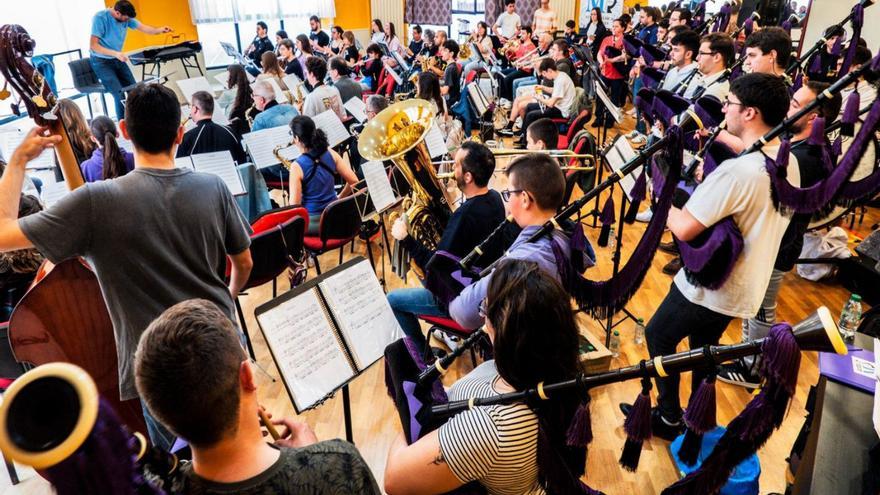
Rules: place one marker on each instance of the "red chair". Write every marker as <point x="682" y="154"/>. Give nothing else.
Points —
<point x="577" y="124"/>
<point x="340" y="224"/>
<point x="276" y="241"/>
<point x="583" y="143"/>
<point x="450" y="327"/>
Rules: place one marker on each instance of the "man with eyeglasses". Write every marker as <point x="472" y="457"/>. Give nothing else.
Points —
<point x="208" y="136"/>
<point x="715" y="55"/>
<point x="473" y="221"/>
<point x="740" y="189"/>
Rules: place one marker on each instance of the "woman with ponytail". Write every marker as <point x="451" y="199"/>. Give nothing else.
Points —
<point x="520" y="448"/>
<point x="108" y="161"/>
<point x="313" y="174"/>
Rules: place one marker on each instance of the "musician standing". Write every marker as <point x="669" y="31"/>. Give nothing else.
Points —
<point x="738" y="188"/>
<point x="685" y="48"/>
<point x="109" y="28"/>
<point x="508" y="23"/>
<point x="825" y="68"/>
<point x="317" y="37"/>
<point x="471" y="222"/>
<point x="258" y="47"/>
<point x="450" y="86"/>
<point x="155" y="237"/>
<point x="679" y="17"/>
<point x="610" y="71"/>
<point x="768" y="51"/>
<point x="545" y="20"/>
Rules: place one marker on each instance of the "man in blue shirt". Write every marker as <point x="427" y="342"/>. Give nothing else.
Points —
<point x="109" y="28"/>
<point x="272" y="114"/>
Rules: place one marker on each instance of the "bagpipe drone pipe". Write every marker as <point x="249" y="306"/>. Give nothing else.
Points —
<point x="423" y="405"/>
<point x="53" y="420"/>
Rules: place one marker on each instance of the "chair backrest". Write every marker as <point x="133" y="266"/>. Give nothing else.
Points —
<point x="83" y="74"/>
<point x="271" y="218"/>
<point x="341" y="219"/>
<point x="578" y="123"/>
<point x="272" y="249"/>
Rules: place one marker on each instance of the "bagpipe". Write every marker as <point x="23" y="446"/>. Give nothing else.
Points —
<point x="423" y="405"/>
<point x="447" y="276"/>
<point x="53" y="419"/>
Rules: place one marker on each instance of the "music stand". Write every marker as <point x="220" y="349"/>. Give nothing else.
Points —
<point x="232" y="52"/>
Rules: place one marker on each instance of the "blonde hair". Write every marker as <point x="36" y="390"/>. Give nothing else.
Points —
<point x="349" y="37"/>
<point x="270" y="65"/>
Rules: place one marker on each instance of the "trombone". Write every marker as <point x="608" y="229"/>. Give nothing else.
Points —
<point x="552" y="153"/>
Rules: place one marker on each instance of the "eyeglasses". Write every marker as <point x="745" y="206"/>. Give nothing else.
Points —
<point x="728" y="103"/>
<point x="482" y="309"/>
<point x="706" y="53"/>
<point x="505" y="194"/>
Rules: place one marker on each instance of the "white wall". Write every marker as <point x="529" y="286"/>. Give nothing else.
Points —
<point x="824" y="13"/>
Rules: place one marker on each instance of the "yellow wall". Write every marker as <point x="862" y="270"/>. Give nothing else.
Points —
<point x="173" y="13"/>
<point x="352" y="14"/>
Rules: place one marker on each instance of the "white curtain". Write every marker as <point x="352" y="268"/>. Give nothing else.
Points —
<point x="212" y="11"/>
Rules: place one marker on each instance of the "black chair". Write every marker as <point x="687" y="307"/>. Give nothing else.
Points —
<point x="86" y="81"/>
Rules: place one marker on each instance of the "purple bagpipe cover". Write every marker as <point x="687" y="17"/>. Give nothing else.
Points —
<point x="445" y="278"/>
<point x="651" y="77"/>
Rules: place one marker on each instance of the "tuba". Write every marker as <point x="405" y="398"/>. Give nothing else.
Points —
<point x="398" y="134"/>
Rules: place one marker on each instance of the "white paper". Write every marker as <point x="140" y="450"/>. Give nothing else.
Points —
<point x="260" y="144"/>
<point x="863" y="367"/>
<point x="618" y="156"/>
<point x="184" y="162"/>
<point x="378" y="185"/>
<point x="13" y="139"/>
<point x="362" y="312"/>
<point x="280" y="96"/>
<point x="222" y="165"/>
<point x="305" y="348"/>
<point x="393" y="73"/>
<point x="52" y="192"/>
<point x="190" y="86"/>
<point x="357" y="108"/>
<point x="612" y="108"/>
<point x="223" y="78"/>
<point x="329" y="122"/>
<point x="876" y="414"/>
<point x="435" y="142"/>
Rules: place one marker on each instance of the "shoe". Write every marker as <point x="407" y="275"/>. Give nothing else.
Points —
<point x="660" y="426"/>
<point x="640" y="139"/>
<point x="631" y="134"/>
<point x="672" y="267"/>
<point x="645" y="216"/>
<point x="451" y="341"/>
<point x="738" y="373"/>
<point x="669" y="247"/>
<point x="507" y="131"/>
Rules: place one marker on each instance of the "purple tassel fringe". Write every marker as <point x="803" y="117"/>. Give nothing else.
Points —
<point x="638" y="193"/>
<point x="709" y="259"/>
<point x="638" y="429"/>
<point x="580" y="431"/>
<point x="858" y="21"/>
<point x="699" y="418"/>
<point x="850" y="114"/>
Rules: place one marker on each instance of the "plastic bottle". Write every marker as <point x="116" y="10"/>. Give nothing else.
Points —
<point x="639" y="337"/>
<point x="850" y="317"/>
<point x="612" y="238"/>
<point x="614" y="345"/>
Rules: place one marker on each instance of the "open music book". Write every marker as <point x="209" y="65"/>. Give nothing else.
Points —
<point x="193" y="85"/>
<point x="261" y="144"/>
<point x="325" y="332"/>
<point x="617" y="156"/>
<point x="357" y="108"/>
<point x="219" y="163"/>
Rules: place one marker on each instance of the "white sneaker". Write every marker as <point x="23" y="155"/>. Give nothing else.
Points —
<point x="632" y="134"/>
<point x="640" y="139"/>
<point x="644" y="216"/>
<point x="451" y="341"/>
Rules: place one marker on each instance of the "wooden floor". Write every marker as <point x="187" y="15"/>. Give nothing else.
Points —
<point x="375" y="419"/>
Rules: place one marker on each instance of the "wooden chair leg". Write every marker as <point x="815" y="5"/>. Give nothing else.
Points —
<point x="244" y="329"/>
<point x="341" y="249"/>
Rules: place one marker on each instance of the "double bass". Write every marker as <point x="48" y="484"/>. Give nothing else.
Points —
<point x="63" y="316"/>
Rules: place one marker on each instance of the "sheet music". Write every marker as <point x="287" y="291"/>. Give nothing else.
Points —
<point x="478" y="98"/>
<point x="362" y="312"/>
<point x="190" y="86"/>
<point x="329" y="122"/>
<point x="184" y="162"/>
<point x="222" y="165"/>
<point x="378" y="185"/>
<point x="13" y="139"/>
<point x="52" y="192"/>
<point x="125" y="144"/>
<point x="260" y="144"/>
<point x="280" y="96"/>
<point x="611" y="107"/>
<point x="306" y="350"/>
<point x="223" y="78"/>
<point x="435" y="142"/>
<point x="618" y="156"/>
<point x="357" y="108"/>
<point x="393" y="74"/>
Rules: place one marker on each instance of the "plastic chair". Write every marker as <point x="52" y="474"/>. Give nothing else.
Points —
<point x="340" y="224"/>
<point x="86" y="81"/>
<point x="450" y="327"/>
<point x="278" y="240"/>
<point x="575" y="125"/>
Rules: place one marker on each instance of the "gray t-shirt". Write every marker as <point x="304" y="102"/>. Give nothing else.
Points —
<point x="154" y="238"/>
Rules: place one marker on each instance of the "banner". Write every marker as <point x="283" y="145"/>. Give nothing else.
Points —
<point x="611" y="9"/>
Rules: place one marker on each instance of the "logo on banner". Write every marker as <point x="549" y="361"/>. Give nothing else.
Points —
<point x="611" y="9"/>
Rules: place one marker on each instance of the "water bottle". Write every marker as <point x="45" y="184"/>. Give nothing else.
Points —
<point x="850" y="317"/>
<point x="639" y="337"/>
<point x="614" y="346"/>
<point x="612" y="238"/>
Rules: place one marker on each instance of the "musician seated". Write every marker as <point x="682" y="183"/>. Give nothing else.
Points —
<point x="450" y="86"/>
<point x="272" y="113"/>
<point x="109" y="160"/>
<point x="535" y="106"/>
<point x="374" y="105"/>
<point x="680" y="16"/>
<point x="287" y="58"/>
<point x="272" y="70"/>
<point x="349" y="50"/>
<point x="197" y="379"/>
<point x="340" y="74"/>
<point x="483" y="42"/>
<point x="541" y="135"/>
<point x="258" y="47"/>
<point x="208" y="136"/>
<point x="371" y="68"/>
<point x="524" y="67"/>
<point x="497" y="446"/>
<point x="768" y="51"/>
<point x="715" y="55"/>
<point x="237" y="100"/>
<point x="558" y="52"/>
<point x="471" y="222"/>
<point x="526" y="46"/>
<point x="313" y="174"/>
<point x="18" y="268"/>
<point x="416" y="44"/>
<point x="322" y="97"/>
<point x="536" y="187"/>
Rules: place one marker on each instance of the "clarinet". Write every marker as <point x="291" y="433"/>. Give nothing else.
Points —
<point x="441" y="366"/>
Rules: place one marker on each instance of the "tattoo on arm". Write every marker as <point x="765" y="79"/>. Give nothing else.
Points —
<point x="438" y="459"/>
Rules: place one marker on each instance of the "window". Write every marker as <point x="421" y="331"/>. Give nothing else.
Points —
<point x="210" y="35"/>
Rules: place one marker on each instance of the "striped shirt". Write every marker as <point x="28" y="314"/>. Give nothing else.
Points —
<point x="494" y="445"/>
<point x="545" y="21"/>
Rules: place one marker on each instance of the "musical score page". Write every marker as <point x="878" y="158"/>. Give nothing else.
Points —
<point x="184" y="162"/>
<point x="393" y="73"/>
<point x="13" y="139"/>
<point x="435" y="142"/>
<point x="52" y="192"/>
<point x="362" y="312"/>
<point x="222" y="165"/>
<point x="190" y="86"/>
<point x="306" y="350"/>
<point x="260" y="144"/>
<point x="329" y="122"/>
<point x="618" y="156"/>
<point x="378" y="185"/>
<point x="357" y="108"/>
